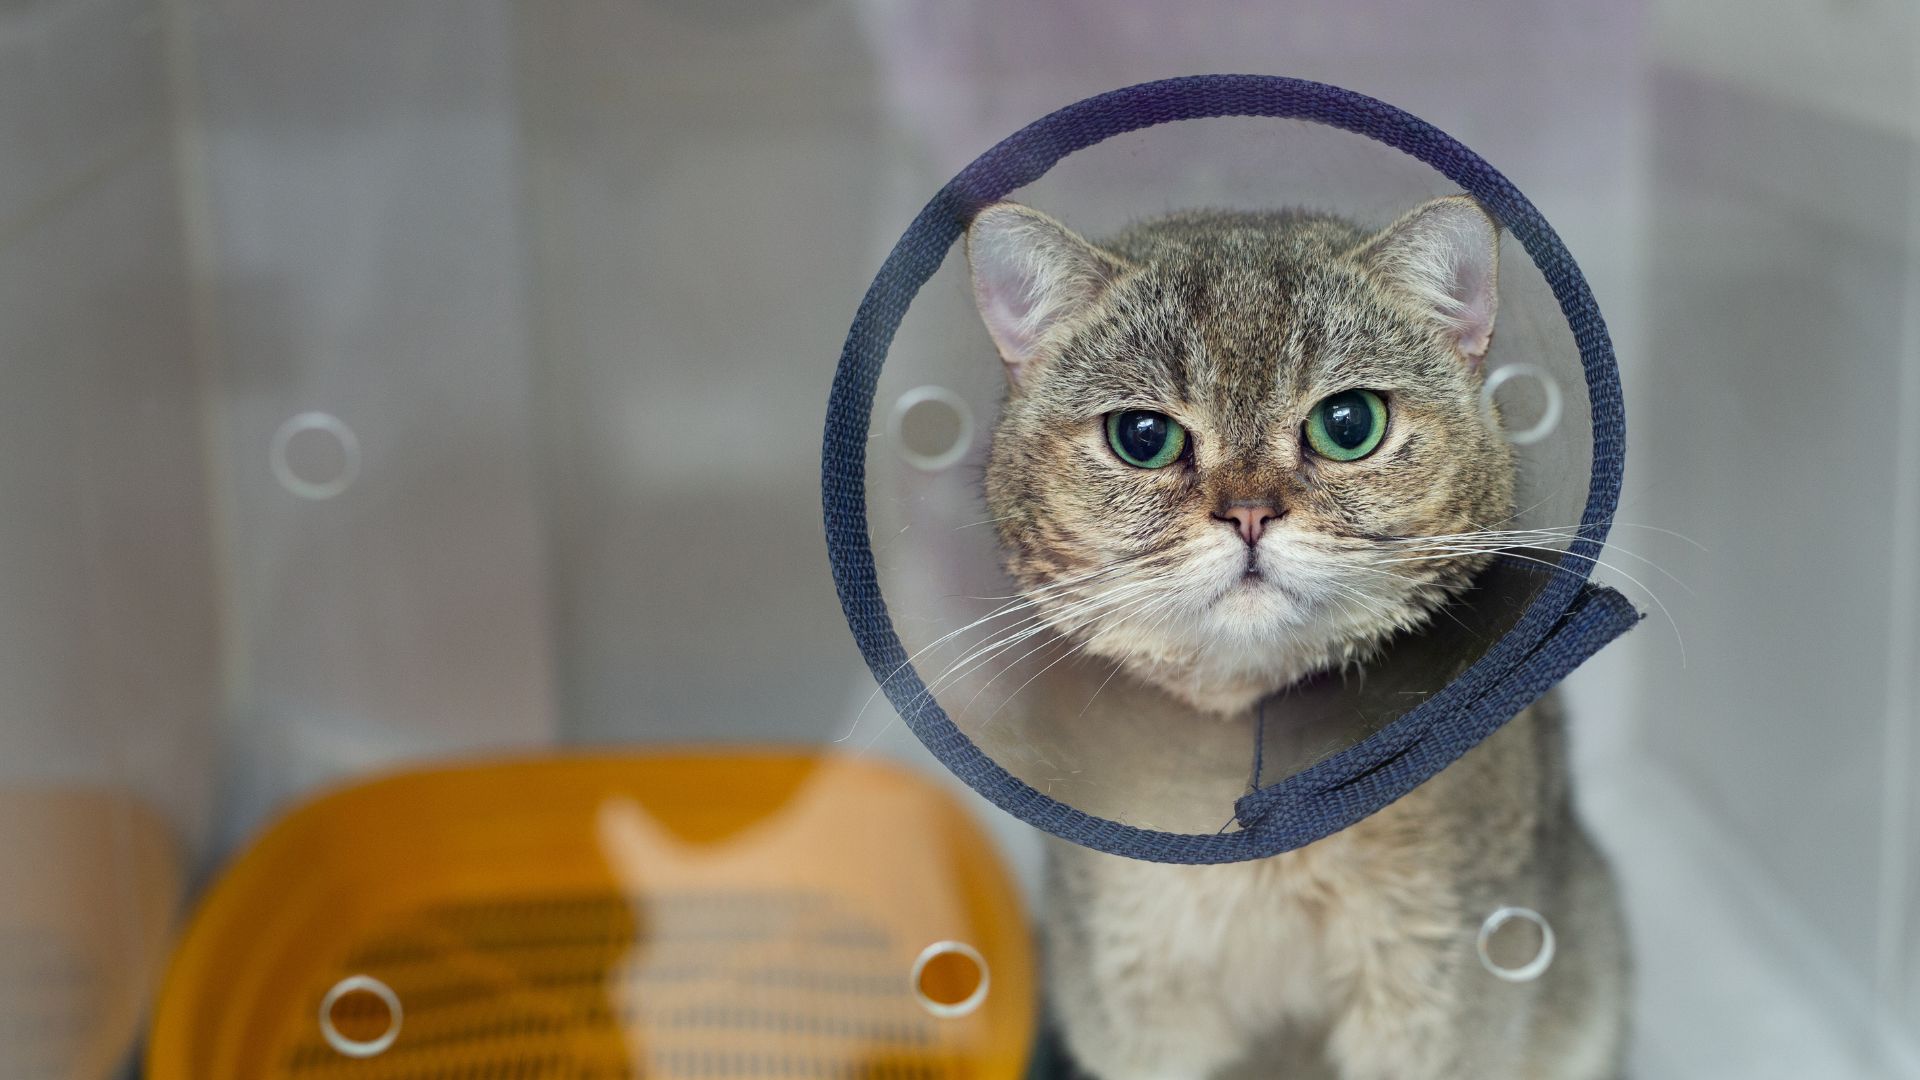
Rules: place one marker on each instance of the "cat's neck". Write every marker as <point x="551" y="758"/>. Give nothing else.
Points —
<point x="1223" y="681"/>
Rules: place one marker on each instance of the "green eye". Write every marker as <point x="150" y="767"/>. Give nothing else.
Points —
<point x="1146" y="440"/>
<point x="1347" y="426"/>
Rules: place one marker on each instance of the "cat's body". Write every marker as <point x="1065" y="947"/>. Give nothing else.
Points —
<point x="1354" y="957"/>
<point x="1223" y="433"/>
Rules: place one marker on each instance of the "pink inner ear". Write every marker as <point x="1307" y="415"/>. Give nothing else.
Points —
<point x="1007" y="286"/>
<point x="1446" y="254"/>
<point x="1008" y="310"/>
<point x="1029" y="274"/>
<point x="1474" y="322"/>
<point x="1464" y="258"/>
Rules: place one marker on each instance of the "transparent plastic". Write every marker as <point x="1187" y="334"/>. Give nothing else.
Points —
<point x="1033" y="699"/>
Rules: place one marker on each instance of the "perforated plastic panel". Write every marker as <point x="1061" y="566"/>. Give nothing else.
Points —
<point x="669" y="916"/>
<point x="723" y="983"/>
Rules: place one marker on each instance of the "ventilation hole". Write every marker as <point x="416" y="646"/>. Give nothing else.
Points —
<point x="1533" y="393"/>
<point x="932" y="428"/>
<point x="1516" y="944"/>
<point x="360" y="1016"/>
<point x="950" y="979"/>
<point x="315" y="456"/>
<point x="578" y="947"/>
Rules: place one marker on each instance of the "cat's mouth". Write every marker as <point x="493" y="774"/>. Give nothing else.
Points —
<point x="1251" y="574"/>
<point x="1253" y="581"/>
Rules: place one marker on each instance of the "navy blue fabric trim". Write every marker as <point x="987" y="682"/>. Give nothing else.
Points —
<point x="1566" y="622"/>
<point x="1318" y="801"/>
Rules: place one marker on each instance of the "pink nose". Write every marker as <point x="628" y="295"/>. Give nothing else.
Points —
<point x="1250" y="518"/>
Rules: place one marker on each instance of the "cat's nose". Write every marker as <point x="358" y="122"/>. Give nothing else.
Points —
<point x="1250" y="518"/>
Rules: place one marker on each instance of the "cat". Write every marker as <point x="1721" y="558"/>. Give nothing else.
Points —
<point x="1234" y="414"/>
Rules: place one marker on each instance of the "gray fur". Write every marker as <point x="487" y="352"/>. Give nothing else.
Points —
<point x="1353" y="957"/>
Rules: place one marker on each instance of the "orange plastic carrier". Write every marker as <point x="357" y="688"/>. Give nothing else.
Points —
<point x="659" y="915"/>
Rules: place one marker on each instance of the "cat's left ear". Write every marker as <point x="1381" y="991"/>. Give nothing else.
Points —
<point x="1445" y="256"/>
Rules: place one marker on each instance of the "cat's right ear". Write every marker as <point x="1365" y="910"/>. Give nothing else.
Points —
<point x="1032" y="275"/>
<point x="1445" y="256"/>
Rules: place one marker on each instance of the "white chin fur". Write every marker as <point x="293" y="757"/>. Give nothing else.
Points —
<point x="1222" y="641"/>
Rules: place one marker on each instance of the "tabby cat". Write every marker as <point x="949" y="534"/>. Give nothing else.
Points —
<point x="1245" y="416"/>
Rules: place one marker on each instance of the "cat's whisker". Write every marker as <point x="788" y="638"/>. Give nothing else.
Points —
<point x="1169" y="609"/>
<point x="1075" y="607"/>
<point x="1452" y="550"/>
<point x="1341" y="599"/>
<point x="1068" y="582"/>
<point x="880" y="685"/>
<point x="1557" y="531"/>
<point x="1016" y="690"/>
<point x="1152" y="604"/>
<point x="1616" y="523"/>
<point x="1486" y="534"/>
<point x="1057" y="583"/>
<point x="1404" y="618"/>
<point x="1033" y="599"/>
<point x="1679" y="640"/>
<point x="985" y="521"/>
<point x="1497" y="541"/>
<point x="1412" y="583"/>
<point x="953" y="675"/>
<point x="1680" y="536"/>
<point x="1016" y="604"/>
<point x="1374" y="605"/>
<point x="1125" y="609"/>
<point x="1344" y="592"/>
<point x="1083" y="610"/>
<point x="984" y="655"/>
<point x="1057" y="641"/>
<point x="1103" y="685"/>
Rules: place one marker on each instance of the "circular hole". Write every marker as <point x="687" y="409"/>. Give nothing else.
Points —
<point x="360" y="1016"/>
<point x="950" y="979"/>
<point x="315" y="456"/>
<point x="1516" y="944"/>
<point x="932" y="427"/>
<point x="1534" y="393"/>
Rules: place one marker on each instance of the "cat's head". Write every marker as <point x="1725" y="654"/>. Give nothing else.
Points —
<point x="1216" y="423"/>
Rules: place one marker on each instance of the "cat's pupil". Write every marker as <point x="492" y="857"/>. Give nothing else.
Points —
<point x="1348" y="420"/>
<point x="1142" y="434"/>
